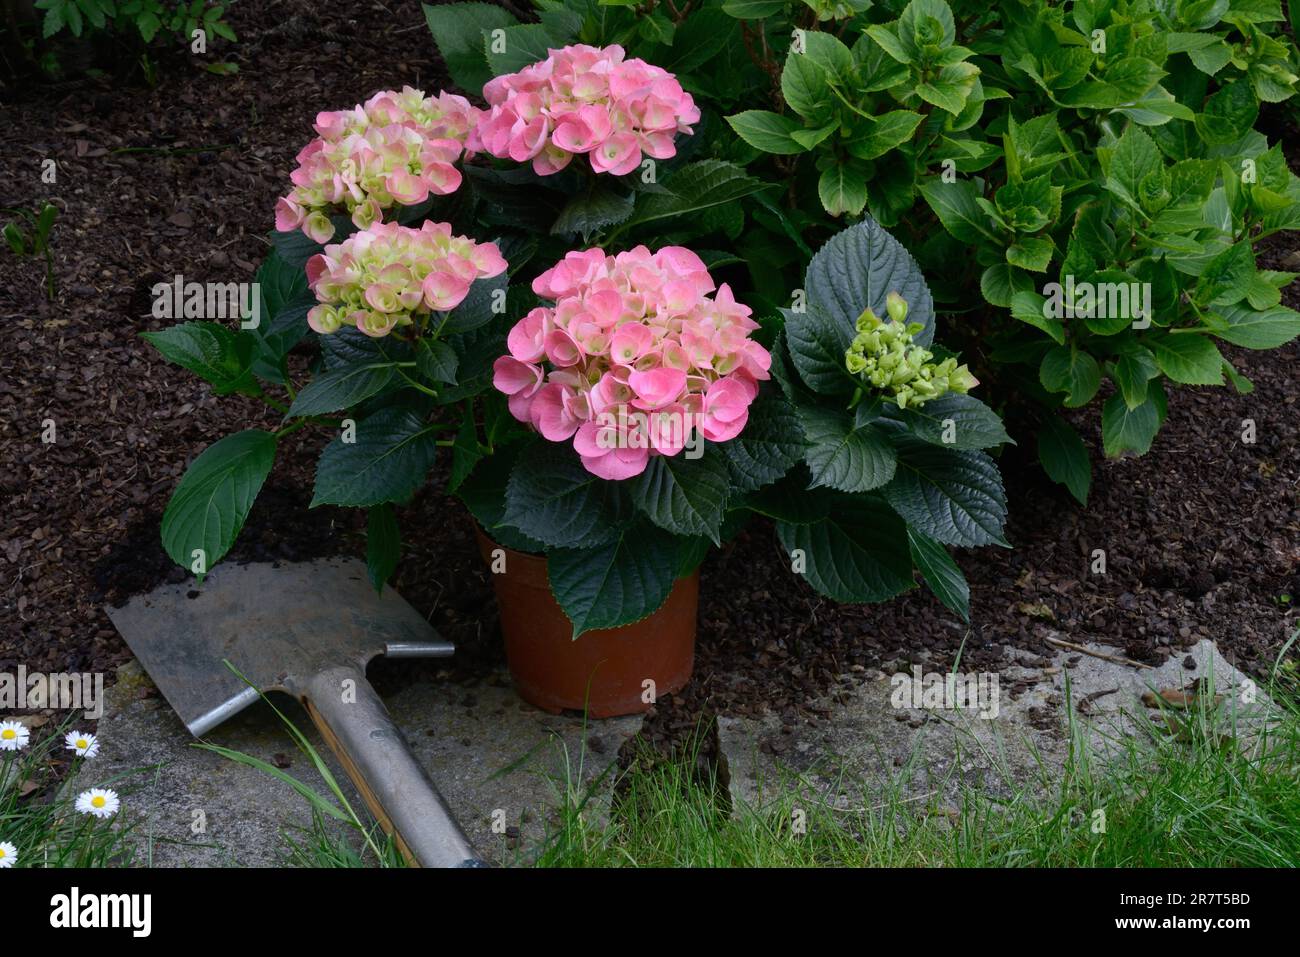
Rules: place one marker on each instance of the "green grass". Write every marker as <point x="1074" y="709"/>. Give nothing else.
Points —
<point x="1182" y="798"/>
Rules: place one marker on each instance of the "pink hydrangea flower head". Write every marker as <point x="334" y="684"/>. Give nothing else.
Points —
<point x="584" y="101"/>
<point x="389" y="275"/>
<point x="635" y="356"/>
<point x="396" y="149"/>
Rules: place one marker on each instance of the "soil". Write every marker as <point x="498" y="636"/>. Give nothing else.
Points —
<point x="1202" y="536"/>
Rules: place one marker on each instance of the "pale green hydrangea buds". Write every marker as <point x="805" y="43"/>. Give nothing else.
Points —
<point x="896" y="306"/>
<point x="885" y="356"/>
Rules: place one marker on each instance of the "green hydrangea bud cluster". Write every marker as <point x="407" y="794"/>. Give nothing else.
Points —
<point x="884" y="354"/>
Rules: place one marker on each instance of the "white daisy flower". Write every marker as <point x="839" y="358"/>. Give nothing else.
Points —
<point x="99" y="802"/>
<point x="8" y="854"/>
<point x="13" y="735"/>
<point x="86" y="745"/>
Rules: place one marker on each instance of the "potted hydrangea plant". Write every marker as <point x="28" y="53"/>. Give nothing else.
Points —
<point x="493" y="285"/>
<point x="627" y="383"/>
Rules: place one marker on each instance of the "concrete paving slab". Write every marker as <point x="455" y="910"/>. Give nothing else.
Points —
<point x="501" y="764"/>
<point x="190" y="807"/>
<point x="877" y="740"/>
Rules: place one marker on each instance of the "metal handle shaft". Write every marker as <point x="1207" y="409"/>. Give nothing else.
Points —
<point x="419" y="649"/>
<point x="359" y="729"/>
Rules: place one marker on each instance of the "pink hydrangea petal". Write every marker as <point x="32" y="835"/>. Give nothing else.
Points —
<point x="443" y="291"/>
<point x="551" y="415"/>
<point x="657" y="387"/>
<point x="716" y="431"/>
<point x="288" y="215"/>
<point x="520" y="405"/>
<point x="511" y="376"/>
<point x="561" y="348"/>
<point x="617" y="465"/>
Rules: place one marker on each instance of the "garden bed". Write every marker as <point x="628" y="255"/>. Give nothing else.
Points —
<point x="1202" y="536"/>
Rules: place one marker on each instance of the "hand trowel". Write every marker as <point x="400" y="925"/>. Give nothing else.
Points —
<point x="308" y="630"/>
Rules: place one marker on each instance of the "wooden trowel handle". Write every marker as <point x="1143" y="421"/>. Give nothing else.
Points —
<point x="360" y="731"/>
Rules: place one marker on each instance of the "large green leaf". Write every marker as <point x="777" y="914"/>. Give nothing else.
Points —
<point x="458" y="30"/>
<point x="842" y="189"/>
<point x="686" y="496"/>
<point x="1258" y="328"/>
<point x="383" y="545"/>
<point x="790" y="500"/>
<point x="950" y="89"/>
<point x="213" y="499"/>
<point x="857" y="553"/>
<point x="516" y="47"/>
<point x="476" y="352"/>
<point x="926" y="23"/>
<point x="593" y="208"/>
<point x="1211" y="58"/>
<point x="830" y="52"/>
<point x="1131" y="372"/>
<point x="1064" y="457"/>
<point x="295" y="247"/>
<point x="1128" y="430"/>
<point x="1126" y="81"/>
<point x="884" y="133"/>
<point x="767" y="448"/>
<point x="952" y="495"/>
<point x="1072" y="371"/>
<point x="437" y="360"/>
<point x="341" y="388"/>
<point x="615" y="583"/>
<point x="1189" y="358"/>
<point x="484" y="494"/>
<point x="956" y="421"/>
<point x="955" y="205"/>
<point x="767" y="131"/>
<point x="844" y="457"/>
<point x="752" y="9"/>
<point x="1131" y="160"/>
<point x="806" y="88"/>
<point x="282" y="320"/>
<point x="941" y="572"/>
<point x="487" y="299"/>
<point x="818" y="340"/>
<point x="1002" y="281"/>
<point x="211" y="351"/>
<point x="465" y="450"/>
<point x="1131" y="78"/>
<point x="1229" y="114"/>
<point x="1030" y="307"/>
<point x="1226" y="278"/>
<point x="699" y="38"/>
<point x="351" y="346"/>
<point x="695" y="187"/>
<point x="1031" y="252"/>
<point x="856" y="269"/>
<point x="552" y="498"/>
<point x="388" y="461"/>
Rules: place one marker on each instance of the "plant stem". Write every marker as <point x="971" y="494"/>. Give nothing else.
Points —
<point x="416" y="385"/>
<point x="292" y="428"/>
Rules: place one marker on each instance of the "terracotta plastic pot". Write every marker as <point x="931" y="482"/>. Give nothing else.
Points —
<point x="604" y="671"/>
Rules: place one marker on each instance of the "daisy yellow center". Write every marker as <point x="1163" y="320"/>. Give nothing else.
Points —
<point x="2" y="852"/>
<point x="97" y="800"/>
<point x="82" y="743"/>
<point x="8" y="734"/>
